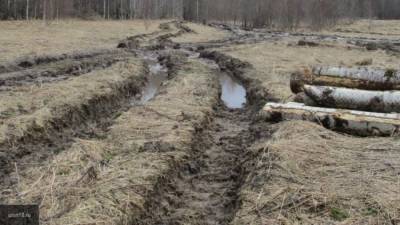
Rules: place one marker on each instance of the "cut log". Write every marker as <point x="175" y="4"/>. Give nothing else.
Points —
<point x="355" y="122"/>
<point x="360" y="78"/>
<point x="374" y="101"/>
<point x="303" y="98"/>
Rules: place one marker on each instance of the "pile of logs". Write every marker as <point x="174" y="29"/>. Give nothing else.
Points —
<point x="356" y="100"/>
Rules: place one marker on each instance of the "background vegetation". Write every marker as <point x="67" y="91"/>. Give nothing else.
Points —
<point x="250" y="13"/>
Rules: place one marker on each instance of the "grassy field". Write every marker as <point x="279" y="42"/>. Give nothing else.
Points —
<point x="36" y="38"/>
<point x="74" y="139"/>
<point x="275" y="61"/>
<point x="388" y="29"/>
<point x="304" y="173"/>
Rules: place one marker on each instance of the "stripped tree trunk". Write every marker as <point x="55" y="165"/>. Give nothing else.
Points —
<point x="44" y="10"/>
<point x="27" y="10"/>
<point x="375" y="101"/>
<point x="356" y="122"/>
<point x="361" y="78"/>
<point x="104" y="9"/>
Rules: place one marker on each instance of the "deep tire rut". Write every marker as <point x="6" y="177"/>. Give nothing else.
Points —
<point x="206" y="190"/>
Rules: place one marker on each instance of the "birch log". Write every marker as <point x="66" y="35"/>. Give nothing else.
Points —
<point x="360" y="78"/>
<point x="374" y="101"/>
<point x="357" y="122"/>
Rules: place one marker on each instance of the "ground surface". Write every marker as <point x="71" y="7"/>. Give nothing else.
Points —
<point x="388" y="29"/>
<point x="139" y="135"/>
<point x="275" y="60"/>
<point x="37" y="38"/>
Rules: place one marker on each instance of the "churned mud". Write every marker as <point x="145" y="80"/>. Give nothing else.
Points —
<point x="170" y="108"/>
<point x="60" y="70"/>
<point x="204" y="191"/>
<point x="205" y="188"/>
<point x="160" y="132"/>
<point x="40" y="119"/>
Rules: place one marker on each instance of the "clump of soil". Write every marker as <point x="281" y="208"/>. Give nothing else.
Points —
<point x="307" y="43"/>
<point x="48" y="115"/>
<point x="114" y="175"/>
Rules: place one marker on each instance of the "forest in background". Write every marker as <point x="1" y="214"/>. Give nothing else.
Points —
<point x="249" y="13"/>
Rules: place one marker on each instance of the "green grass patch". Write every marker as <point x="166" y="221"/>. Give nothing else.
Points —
<point x="339" y="214"/>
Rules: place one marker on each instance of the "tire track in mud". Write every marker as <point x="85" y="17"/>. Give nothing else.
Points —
<point x="90" y="120"/>
<point x="158" y="135"/>
<point x="205" y="190"/>
<point x="52" y="68"/>
<point x="240" y="37"/>
<point x="204" y="187"/>
<point x="61" y="70"/>
<point x="29" y="62"/>
<point x="93" y="119"/>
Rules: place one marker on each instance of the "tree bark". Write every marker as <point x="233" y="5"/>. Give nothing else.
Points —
<point x="374" y="101"/>
<point x="44" y="10"/>
<point x="355" y="122"/>
<point x="104" y="9"/>
<point x="15" y="10"/>
<point x="360" y="78"/>
<point x="27" y="9"/>
<point x="197" y="10"/>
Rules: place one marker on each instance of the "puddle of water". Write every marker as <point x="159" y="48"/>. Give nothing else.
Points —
<point x="157" y="75"/>
<point x="233" y="93"/>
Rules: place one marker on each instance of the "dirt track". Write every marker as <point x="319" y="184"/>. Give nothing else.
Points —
<point x="180" y="156"/>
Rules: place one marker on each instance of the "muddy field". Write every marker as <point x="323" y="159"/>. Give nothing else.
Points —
<point x="161" y="124"/>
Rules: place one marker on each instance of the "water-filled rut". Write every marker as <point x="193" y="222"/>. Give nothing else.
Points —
<point x="202" y="175"/>
<point x="205" y="188"/>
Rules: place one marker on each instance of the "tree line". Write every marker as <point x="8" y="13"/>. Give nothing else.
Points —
<point x="249" y="13"/>
<point x="289" y="13"/>
<point x="90" y="9"/>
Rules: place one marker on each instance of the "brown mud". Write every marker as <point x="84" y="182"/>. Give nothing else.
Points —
<point x="178" y="149"/>
<point x="61" y="70"/>
<point x="240" y="36"/>
<point x="92" y="118"/>
<point x="202" y="187"/>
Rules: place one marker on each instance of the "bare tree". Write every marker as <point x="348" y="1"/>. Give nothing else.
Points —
<point x="250" y="13"/>
<point x="27" y="9"/>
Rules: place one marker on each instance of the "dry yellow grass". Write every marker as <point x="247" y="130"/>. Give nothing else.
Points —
<point x="202" y="34"/>
<point x="275" y="61"/>
<point x="108" y="181"/>
<point x="20" y="38"/>
<point x="36" y="105"/>
<point x="388" y="29"/>
<point x="306" y="174"/>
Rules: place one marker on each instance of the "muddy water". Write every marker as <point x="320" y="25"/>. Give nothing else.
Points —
<point x="233" y="93"/>
<point x="205" y="189"/>
<point x="157" y="75"/>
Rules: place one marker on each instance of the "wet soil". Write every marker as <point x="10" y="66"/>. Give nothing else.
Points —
<point x="233" y="93"/>
<point x="205" y="188"/>
<point x="52" y="68"/>
<point x="240" y="36"/>
<point x="205" y="191"/>
<point x="60" y="70"/>
<point x="97" y="117"/>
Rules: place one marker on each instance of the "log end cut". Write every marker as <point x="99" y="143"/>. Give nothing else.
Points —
<point x="298" y="79"/>
<point x="349" y="121"/>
